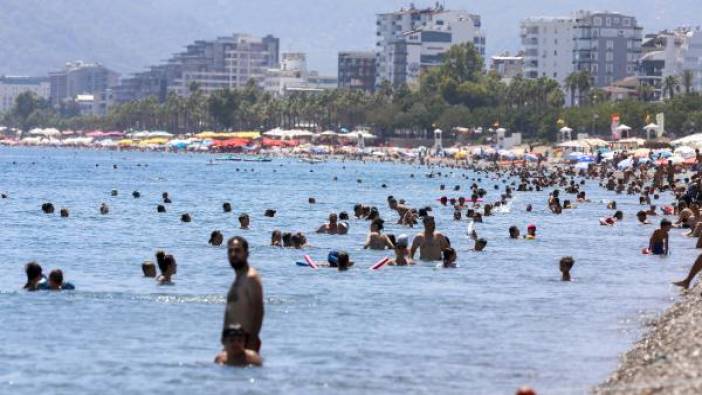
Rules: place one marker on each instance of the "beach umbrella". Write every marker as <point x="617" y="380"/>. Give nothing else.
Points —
<point x="159" y="133"/>
<point x="245" y="135"/>
<point x="574" y="156"/>
<point x="531" y="157"/>
<point x="662" y="154"/>
<point x="642" y="153"/>
<point x="625" y="164"/>
<point x="582" y="165"/>
<point x="685" y="152"/>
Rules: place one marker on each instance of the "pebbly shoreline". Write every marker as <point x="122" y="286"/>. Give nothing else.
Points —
<point x="668" y="360"/>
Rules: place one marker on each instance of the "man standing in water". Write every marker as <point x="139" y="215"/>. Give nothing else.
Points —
<point x="430" y="243"/>
<point x="245" y="297"/>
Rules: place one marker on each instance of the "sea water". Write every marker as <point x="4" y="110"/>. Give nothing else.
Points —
<point x="500" y="320"/>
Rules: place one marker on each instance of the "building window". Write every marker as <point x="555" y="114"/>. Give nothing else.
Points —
<point x="609" y="57"/>
<point x="597" y="21"/>
<point x="609" y="68"/>
<point x="593" y="68"/>
<point x="608" y="21"/>
<point x="610" y="44"/>
<point x="626" y="22"/>
<point x="616" y="20"/>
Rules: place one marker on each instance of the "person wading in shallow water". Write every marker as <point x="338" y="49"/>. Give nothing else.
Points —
<point x="430" y="243"/>
<point x="245" y="297"/>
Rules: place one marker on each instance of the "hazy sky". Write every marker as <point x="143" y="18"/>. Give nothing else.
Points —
<point x="127" y="35"/>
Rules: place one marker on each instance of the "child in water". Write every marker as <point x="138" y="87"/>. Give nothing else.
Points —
<point x="658" y="244"/>
<point x="449" y="258"/>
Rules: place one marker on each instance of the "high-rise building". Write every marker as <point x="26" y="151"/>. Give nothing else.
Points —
<point x="292" y="75"/>
<point x="357" y="71"/>
<point x="671" y="53"/>
<point x="79" y="78"/>
<point x="224" y="63"/>
<point x="507" y="67"/>
<point x="412" y="40"/>
<point x="547" y="46"/>
<point x="13" y="86"/>
<point x="607" y="44"/>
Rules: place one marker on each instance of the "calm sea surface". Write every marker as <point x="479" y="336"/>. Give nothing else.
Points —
<point x="499" y="321"/>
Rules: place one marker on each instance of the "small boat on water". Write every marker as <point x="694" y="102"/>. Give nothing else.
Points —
<point x="240" y="159"/>
<point x="229" y="157"/>
<point x="311" y="161"/>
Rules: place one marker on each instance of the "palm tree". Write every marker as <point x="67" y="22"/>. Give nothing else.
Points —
<point x="584" y="84"/>
<point x="687" y="78"/>
<point x="572" y="85"/>
<point x="671" y="85"/>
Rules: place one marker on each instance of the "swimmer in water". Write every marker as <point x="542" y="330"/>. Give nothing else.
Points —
<point x="642" y="217"/>
<point x="35" y="278"/>
<point x="330" y="228"/>
<point x="565" y="265"/>
<point x="531" y="232"/>
<point x="149" y="269"/>
<point x="343" y="261"/>
<point x="216" y="238"/>
<point x="234" y="339"/>
<point x="400" y="208"/>
<point x="401" y="252"/>
<point x="480" y="245"/>
<point x="513" y="232"/>
<point x="658" y="244"/>
<point x="226" y="207"/>
<point x="449" y="258"/>
<point x="244" y="221"/>
<point x="376" y="240"/>
<point x="298" y="240"/>
<point x="430" y="242"/>
<point x="104" y="210"/>
<point x="245" y="296"/>
<point x="168" y="268"/>
<point x="56" y="282"/>
<point x="276" y="238"/>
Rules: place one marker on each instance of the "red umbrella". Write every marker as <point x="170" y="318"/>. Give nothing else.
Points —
<point x="230" y="143"/>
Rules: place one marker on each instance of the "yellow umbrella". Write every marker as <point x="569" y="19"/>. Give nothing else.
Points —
<point x="125" y="143"/>
<point x="246" y="135"/>
<point x="207" y="135"/>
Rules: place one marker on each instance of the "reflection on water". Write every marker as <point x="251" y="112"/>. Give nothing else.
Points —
<point x="500" y="320"/>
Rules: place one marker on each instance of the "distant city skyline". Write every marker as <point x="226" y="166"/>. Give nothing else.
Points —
<point x="128" y="38"/>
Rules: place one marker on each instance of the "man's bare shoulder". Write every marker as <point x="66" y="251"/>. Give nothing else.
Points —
<point x="253" y="275"/>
